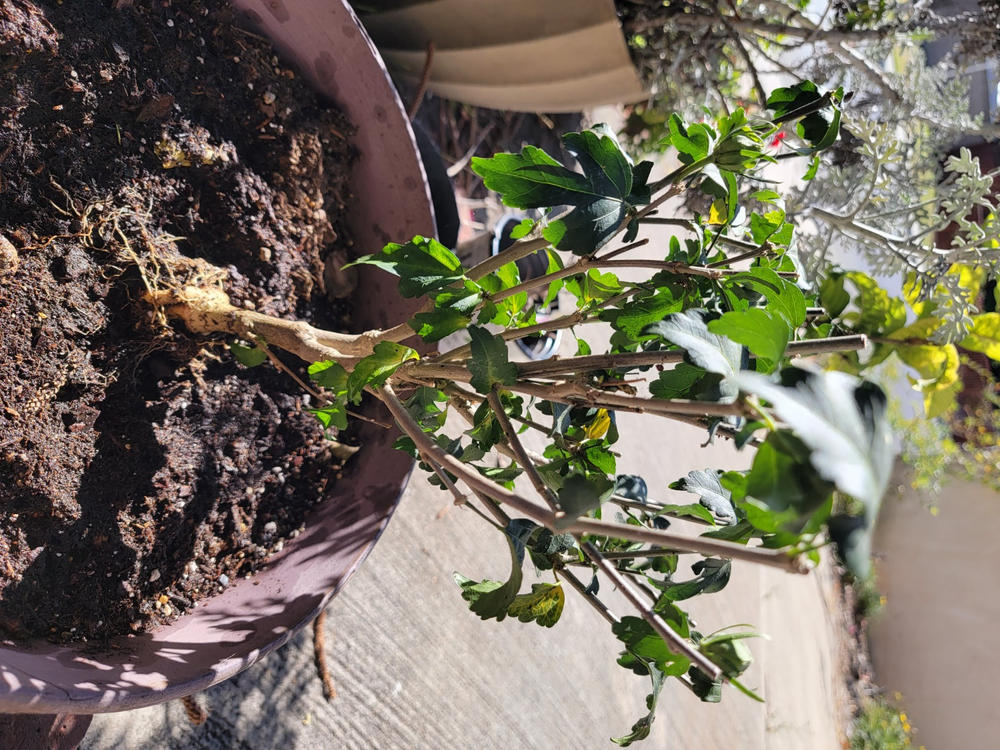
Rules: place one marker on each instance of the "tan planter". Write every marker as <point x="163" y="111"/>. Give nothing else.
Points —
<point x="520" y="55"/>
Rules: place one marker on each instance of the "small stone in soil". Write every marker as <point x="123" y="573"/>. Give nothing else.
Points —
<point x="223" y="580"/>
<point x="8" y="256"/>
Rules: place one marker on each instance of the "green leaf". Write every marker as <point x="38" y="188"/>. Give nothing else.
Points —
<point x="489" y="363"/>
<point x="425" y="406"/>
<point x="375" y="369"/>
<point x="580" y="494"/>
<point x="759" y="331"/>
<point x="422" y="264"/>
<point x="491" y="599"/>
<point x="706" y="485"/>
<point x="693" y="510"/>
<point x="602" y="160"/>
<point x="782" y="296"/>
<point x="331" y="415"/>
<point x="640" y="189"/>
<point x="692" y="144"/>
<point x="543" y="605"/>
<point x="329" y="375"/>
<point x="812" y="169"/>
<point x="599" y="196"/>
<point x="588" y="227"/>
<point x="729" y="652"/>
<point x="644" y="646"/>
<point x="248" y="356"/>
<point x="633" y="316"/>
<point x="782" y="486"/>
<point x="453" y="310"/>
<point x="435" y="325"/>
<point x="739" y="533"/>
<point x="843" y="422"/>
<point x="600" y="457"/>
<point x="710" y="691"/>
<point x="832" y="295"/>
<point x="707" y="350"/>
<point x="523" y="229"/>
<point x="678" y="382"/>
<point x="533" y="179"/>
<point x="712" y="576"/>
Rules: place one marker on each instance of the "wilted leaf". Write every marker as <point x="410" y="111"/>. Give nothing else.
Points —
<point x="640" y="730"/>
<point x="543" y="605"/>
<point x="714" y="496"/>
<point x="490" y="599"/>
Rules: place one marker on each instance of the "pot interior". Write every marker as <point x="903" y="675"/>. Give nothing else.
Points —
<point x="227" y="633"/>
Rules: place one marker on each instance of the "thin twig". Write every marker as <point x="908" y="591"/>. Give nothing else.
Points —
<point x="545" y="517"/>
<point x="673" y="639"/>
<point x="596" y="603"/>
<point x="522" y="456"/>
<point x="629" y="555"/>
<point x="705" y="545"/>
<point x="460" y="498"/>
<point x="625" y="248"/>
<point x="748" y="255"/>
<point x="596" y="362"/>
<point x="655" y="510"/>
<point x="425" y="77"/>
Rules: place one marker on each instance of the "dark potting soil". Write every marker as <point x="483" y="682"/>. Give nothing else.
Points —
<point x="146" y="144"/>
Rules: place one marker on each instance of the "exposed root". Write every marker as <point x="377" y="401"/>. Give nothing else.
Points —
<point x="208" y="310"/>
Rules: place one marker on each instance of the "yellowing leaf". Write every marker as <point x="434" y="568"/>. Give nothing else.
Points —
<point x="878" y="313"/>
<point x="544" y="604"/>
<point x="598" y="428"/>
<point x="939" y="401"/>
<point x="717" y="214"/>
<point x="922" y="328"/>
<point x="970" y="279"/>
<point x="937" y="365"/>
<point x="984" y="336"/>
<point x="912" y="288"/>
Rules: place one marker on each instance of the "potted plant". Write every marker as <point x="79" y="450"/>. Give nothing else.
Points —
<point x="711" y="328"/>
<point x="141" y="128"/>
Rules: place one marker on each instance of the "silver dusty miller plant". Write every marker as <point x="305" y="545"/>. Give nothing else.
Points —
<point x="892" y="206"/>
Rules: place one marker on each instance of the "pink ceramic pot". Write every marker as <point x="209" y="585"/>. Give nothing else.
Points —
<point x="231" y="631"/>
